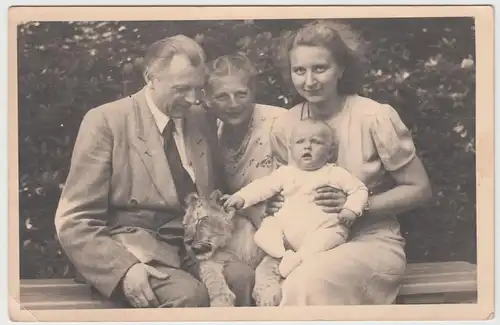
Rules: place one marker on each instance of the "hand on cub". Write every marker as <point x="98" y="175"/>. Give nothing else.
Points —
<point x="232" y="201"/>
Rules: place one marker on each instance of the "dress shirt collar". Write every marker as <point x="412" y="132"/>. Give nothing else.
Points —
<point x="161" y="119"/>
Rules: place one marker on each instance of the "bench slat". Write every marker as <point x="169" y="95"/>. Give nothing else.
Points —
<point x="433" y="275"/>
<point x="77" y="304"/>
<point x="433" y="278"/>
<point x="416" y="268"/>
<point x="55" y="295"/>
<point x="440" y="298"/>
<point x="53" y="288"/>
<point x="438" y="287"/>
<point x="61" y="294"/>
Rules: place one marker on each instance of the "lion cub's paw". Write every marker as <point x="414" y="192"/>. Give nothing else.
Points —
<point x="225" y="300"/>
<point x="268" y="297"/>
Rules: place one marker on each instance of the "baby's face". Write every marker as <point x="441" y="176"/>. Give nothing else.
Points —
<point x="310" y="147"/>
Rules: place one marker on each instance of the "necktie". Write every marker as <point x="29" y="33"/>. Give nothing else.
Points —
<point x="182" y="181"/>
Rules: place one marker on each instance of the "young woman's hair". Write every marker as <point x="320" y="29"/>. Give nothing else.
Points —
<point x="335" y="38"/>
<point x="160" y="53"/>
<point x="230" y="65"/>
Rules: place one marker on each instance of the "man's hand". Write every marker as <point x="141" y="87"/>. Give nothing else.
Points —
<point x="233" y="202"/>
<point x="330" y="199"/>
<point x="136" y="285"/>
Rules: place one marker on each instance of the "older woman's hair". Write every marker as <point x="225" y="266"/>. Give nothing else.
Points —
<point x="160" y="53"/>
<point x="230" y="65"/>
<point x="335" y="38"/>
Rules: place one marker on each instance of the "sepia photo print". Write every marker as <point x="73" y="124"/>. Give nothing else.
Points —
<point x="281" y="163"/>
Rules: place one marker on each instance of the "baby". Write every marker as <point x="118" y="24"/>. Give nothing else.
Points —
<point x="301" y="222"/>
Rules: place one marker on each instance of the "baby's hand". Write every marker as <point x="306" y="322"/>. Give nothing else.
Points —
<point x="347" y="217"/>
<point x="233" y="201"/>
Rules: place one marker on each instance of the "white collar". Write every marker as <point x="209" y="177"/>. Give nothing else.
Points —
<point x="161" y="119"/>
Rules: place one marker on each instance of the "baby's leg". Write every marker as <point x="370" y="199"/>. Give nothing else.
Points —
<point x="269" y="237"/>
<point x="320" y="240"/>
<point x="323" y="239"/>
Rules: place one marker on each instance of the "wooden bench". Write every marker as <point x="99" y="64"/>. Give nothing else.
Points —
<point x="435" y="283"/>
<point x="424" y="283"/>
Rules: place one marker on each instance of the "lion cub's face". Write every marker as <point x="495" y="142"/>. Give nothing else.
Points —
<point x="207" y="226"/>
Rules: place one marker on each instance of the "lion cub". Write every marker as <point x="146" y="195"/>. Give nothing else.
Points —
<point x="217" y="237"/>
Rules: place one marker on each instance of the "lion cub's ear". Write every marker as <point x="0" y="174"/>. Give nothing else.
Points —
<point x="191" y="198"/>
<point x="215" y="197"/>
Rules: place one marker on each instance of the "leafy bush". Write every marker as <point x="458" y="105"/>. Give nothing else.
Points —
<point x="427" y="74"/>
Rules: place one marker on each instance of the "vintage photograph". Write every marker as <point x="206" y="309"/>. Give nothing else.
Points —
<point x="316" y="158"/>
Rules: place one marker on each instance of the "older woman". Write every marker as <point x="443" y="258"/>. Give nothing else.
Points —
<point x="243" y="132"/>
<point x="373" y="144"/>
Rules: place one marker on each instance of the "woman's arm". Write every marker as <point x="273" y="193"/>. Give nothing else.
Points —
<point x="412" y="190"/>
<point x="394" y="144"/>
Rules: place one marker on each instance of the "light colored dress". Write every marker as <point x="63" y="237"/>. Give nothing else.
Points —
<point x="253" y="159"/>
<point x="372" y="140"/>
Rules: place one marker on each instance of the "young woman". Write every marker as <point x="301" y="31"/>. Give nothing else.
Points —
<point x="374" y="145"/>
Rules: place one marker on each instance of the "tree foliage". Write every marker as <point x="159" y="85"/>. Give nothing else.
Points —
<point x="423" y="67"/>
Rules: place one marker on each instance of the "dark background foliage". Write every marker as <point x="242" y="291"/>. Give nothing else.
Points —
<point x="423" y="67"/>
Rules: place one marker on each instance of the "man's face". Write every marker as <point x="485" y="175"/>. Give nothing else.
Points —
<point x="178" y="87"/>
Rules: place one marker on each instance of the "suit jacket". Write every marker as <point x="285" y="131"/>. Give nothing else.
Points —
<point x="119" y="190"/>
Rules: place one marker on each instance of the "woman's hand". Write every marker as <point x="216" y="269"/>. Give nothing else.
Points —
<point x="274" y="204"/>
<point x="330" y="199"/>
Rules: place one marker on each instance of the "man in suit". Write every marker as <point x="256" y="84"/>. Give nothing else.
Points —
<point x="119" y="218"/>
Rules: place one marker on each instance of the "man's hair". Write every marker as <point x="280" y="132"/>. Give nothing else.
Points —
<point x="160" y="53"/>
